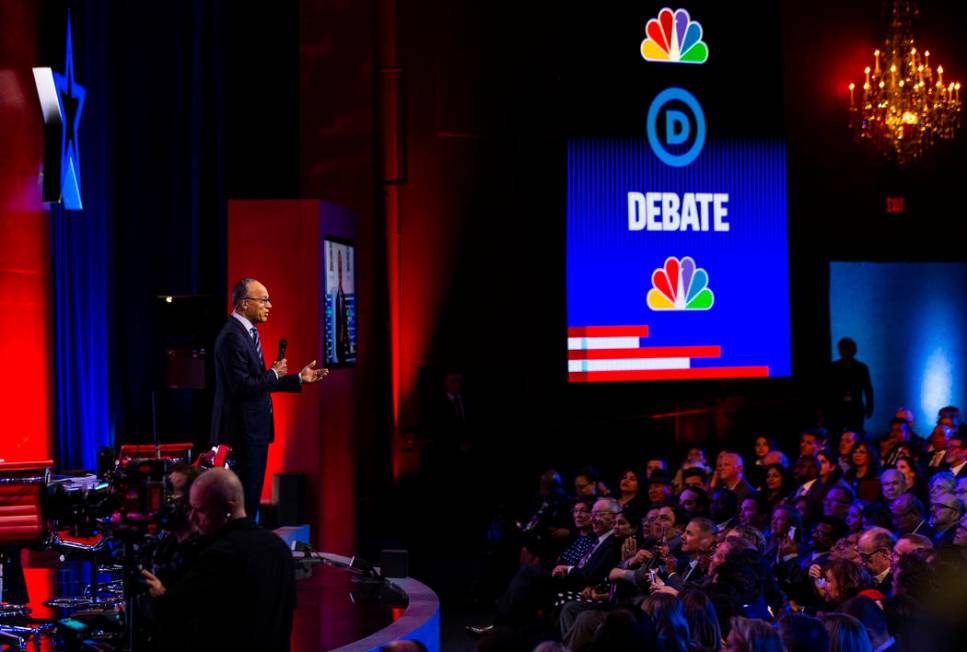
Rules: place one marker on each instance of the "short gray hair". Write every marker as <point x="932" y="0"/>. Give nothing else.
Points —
<point x="239" y="290"/>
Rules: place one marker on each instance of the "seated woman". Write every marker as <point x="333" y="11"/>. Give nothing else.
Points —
<point x="777" y="487"/>
<point x="757" y="470"/>
<point x="864" y="473"/>
<point x="829" y="471"/>
<point x="631" y="490"/>
<point x="916" y="484"/>
<point x="843" y="579"/>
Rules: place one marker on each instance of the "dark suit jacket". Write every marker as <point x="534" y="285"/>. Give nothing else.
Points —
<point x="243" y="408"/>
<point x="605" y="557"/>
<point x="238" y="595"/>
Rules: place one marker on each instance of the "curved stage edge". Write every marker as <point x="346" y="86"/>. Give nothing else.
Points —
<point x="419" y="621"/>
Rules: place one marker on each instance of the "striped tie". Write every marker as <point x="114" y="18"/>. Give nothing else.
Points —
<point x="258" y="344"/>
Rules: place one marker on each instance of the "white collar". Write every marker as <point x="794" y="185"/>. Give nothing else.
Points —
<point x="245" y="322"/>
<point x="956" y="469"/>
<point x="882" y="576"/>
<point x="605" y="536"/>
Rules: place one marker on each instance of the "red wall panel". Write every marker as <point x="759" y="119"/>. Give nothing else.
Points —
<point x="25" y="335"/>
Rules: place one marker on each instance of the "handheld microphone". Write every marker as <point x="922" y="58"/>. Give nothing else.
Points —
<point x="283" y="344"/>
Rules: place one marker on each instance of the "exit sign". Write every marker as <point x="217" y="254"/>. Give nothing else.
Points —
<point x="896" y="204"/>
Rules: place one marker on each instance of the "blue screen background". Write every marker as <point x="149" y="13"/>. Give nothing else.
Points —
<point x="609" y="268"/>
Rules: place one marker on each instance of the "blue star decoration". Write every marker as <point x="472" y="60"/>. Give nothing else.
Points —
<point x="62" y="101"/>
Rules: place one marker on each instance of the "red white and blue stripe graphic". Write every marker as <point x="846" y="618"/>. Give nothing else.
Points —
<point x="616" y="353"/>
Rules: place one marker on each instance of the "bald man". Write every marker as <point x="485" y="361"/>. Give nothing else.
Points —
<point x="731" y="476"/>
<point x="242" y="412"/>
<point x="240" y="594"/>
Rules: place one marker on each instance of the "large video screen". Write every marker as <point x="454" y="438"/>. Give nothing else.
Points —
<point x="676" y="208"/>
<point x="340" y="304"/>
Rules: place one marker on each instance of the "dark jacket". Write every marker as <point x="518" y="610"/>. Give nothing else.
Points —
<point x="239" y="595"/>
<point x="605" y="557"/>
<point x="242" y="411"/>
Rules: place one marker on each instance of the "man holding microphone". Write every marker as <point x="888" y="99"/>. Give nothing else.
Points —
<point x="242" y="415"/>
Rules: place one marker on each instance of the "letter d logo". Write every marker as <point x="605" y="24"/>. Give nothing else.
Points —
<point x="677" y="127"/>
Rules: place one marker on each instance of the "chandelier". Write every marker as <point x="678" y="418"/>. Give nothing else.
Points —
<point x="904" y="104"/>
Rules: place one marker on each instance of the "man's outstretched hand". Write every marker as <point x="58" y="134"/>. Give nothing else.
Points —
<point x="310" y="374"/>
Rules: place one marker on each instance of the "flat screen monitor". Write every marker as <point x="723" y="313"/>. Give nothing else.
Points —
<point x="340" y="302"/>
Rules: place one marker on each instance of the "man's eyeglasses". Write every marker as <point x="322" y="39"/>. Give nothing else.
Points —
<point x="937" y="506"/>
<point x="263" y="300"/>
<point x="605" y="513"/>
<point x="867" y="556"/>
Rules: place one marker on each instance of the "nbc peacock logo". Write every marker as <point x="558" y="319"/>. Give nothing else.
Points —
<point x="679" y="285"/>
<point x="674" y="37"/>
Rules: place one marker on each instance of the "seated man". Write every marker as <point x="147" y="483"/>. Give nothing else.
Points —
<point x="532" y="590"/>
<point x="893" y="483"/>
<point x="945" y="513"/>
<point x="909" y="516"/>
<point x="876" y="552"/>
<point x="240" y="594"/>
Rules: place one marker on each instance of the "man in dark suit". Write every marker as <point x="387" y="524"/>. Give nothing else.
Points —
<point x="242" y="413"/>
<point x="240" y="593"/>
<point x="875" y="547"/>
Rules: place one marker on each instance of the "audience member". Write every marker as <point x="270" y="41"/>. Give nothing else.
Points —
<point x="655" y="464"/>
<point x="838" y="501"/>
<point x="915" y="482"/>
<point x="945" y="513"/>
<point x="730" y="474"/>
<point x="703" y="621"/>
<point x="907" y="543"/>
<point x="694" y="477"/>
<point x="876" y="551"/>
<point x="847" y="439"/>
<point x="752" y="635"/>
<point x="777" y="488"/>
<point x="699" y="566"/>
<point x="871" y="616"/>
<point x="846" y="633"/>
<point x="630" y="490"/>
<point x="802" y="633"/>
<point x="670" y="625"/>
<point x="763" y="446"/>
<point x="956" y="457"/>
<point x="694" y="501"/>
<point x="909" y="516"/>
<point x="863" y="475"/>
<point x="811" y="441"/>
<point x="892" y="483"/>
<point x="724" y="508"/>
<point x="660" y="488"/>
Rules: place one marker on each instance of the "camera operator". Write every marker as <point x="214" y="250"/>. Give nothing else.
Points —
<point x="181" y="544"/>
<point x="240" y="593"/>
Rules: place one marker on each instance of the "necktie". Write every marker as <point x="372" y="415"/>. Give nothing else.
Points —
<point x="258" y="344"/>
<point x="587" y="556"/>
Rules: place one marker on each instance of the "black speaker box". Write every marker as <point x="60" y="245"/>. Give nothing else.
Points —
<point x="288" y="496"/>
<point x="394" y="563"/>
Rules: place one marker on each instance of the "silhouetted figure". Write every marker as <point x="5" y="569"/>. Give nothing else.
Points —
<point x="849" y="390"/>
